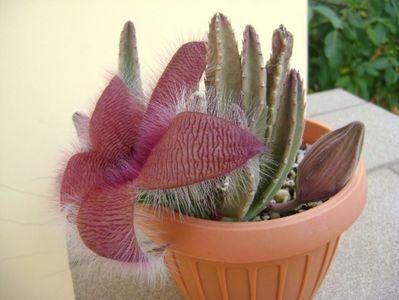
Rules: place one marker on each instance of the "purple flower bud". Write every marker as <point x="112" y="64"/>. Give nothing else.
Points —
<point x="330" y="163"/>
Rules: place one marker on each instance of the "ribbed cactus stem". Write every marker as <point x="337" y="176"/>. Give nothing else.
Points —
<point x="129" y="67"/>
<point x="284" y="142"/>
<point x="223" y="72"/>
<point x="276" y="68"/>
<point x="253" y="81"/>
<point x="238" y="193"/>
<point x="223" y="81"/>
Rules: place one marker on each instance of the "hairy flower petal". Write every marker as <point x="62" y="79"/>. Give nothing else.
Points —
<point x="179" y="80"/>
<point x="105" y="223"/>
<point x="115" y="120"/>
<point x="181" y="74"/>
<point x="197" y="147"/>
<point x="82" y="173"/>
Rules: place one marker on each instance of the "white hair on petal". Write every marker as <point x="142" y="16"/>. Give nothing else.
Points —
<point x="65" y="212"/>
<point x="194" y="200"/>
<point x="201" y="199"/>
<point x="152" y="72"/>
<point x="238" y="182"/>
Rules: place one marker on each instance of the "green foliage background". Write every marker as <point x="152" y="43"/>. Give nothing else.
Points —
<point x="354" y="44"/>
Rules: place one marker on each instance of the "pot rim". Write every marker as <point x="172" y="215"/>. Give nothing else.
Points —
<point x="338" y="198"/>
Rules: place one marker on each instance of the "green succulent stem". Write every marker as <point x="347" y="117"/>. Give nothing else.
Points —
<point x="276" y="68"/>
<point x="129" y="67"/>
<point x="239" y="193"/>
<point x="284" y="142"/>
<point x="272" y="101"/>
<point x="223" y="72"/>
<point x="253" y="81"/>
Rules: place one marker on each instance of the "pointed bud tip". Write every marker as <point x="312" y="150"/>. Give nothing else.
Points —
<point x="220" y="17"/>
<point x="250" y="33"/>
<point x="250" y="29"/>
<point x="76" y="116"/>
<point x="293" y="75"/>
<point x="282" y="40"/>
<point x="357" y="126"/>
<point x="128" y="25"/>
<point x="283" y="30"/>
<point x="129" y="29"/>
<point x="357" y="130"/>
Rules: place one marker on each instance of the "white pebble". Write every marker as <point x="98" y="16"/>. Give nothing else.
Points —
<point x="282" y="196"/>
<point x="274" y="215"/>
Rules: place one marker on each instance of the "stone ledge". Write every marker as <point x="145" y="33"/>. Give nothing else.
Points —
<point x="382" y="127"/>
<point x="367" y="263"/>
<point x="330" y="101"/>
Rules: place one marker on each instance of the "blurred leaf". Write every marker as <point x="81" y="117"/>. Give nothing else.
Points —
<point x="354" y="19"/>
<point x="349" y="32"/>
<point x="393" y="104"/>
<point x="370" y="69"/>
<point x="384" y="21"/>
<point x="333" y="48"/>
<point x="394" y="61"/>
<point x="376" y="7"/>
<point x="354" y="44"/>
<point x="363" y="14"/>
<point x="344" y="82"/>
<point x="392" y="8"/>
<point x="362" y="85"/>
<point x="330" y="15"/>
<point x="310" y="14"/>
<point x="376" y="34"/>
<point x="345" y="70"/>
<point x="320" y="74"/>
<point x="363" y="46"/>
<point x="389" y="8"/>
<point x="391" y="76"/>
<point x="392" y="28"/>
<point x="321" y="30"/>
<point x="381" y="63"/>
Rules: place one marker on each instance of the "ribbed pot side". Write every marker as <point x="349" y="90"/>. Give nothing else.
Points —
<point x="296" y="277"/>
<point x="285" y="258"/>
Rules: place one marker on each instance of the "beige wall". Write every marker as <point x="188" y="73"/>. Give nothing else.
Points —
<point x="55" y="57"/>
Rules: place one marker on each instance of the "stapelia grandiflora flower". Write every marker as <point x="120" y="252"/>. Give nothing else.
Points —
<point x="128" y="146"/>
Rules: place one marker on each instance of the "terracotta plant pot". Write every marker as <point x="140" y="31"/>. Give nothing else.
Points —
<point x="284" y="258"/>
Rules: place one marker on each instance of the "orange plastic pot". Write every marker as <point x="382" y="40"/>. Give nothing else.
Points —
<point x="284" y="258"/>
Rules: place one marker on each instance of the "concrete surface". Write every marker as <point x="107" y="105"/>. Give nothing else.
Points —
<point x="366" y="266"/>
